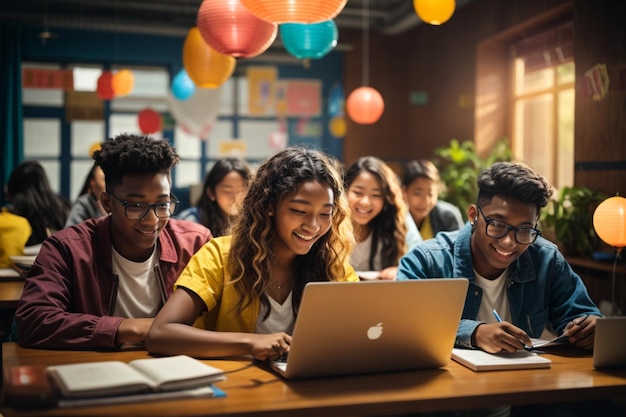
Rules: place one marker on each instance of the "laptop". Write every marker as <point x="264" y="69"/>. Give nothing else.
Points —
<point x="347" y="328"/>
<point x="609" y="342"/>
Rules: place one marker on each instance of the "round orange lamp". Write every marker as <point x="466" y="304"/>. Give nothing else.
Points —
<point x="229" y="28"/>
<point x="365" y="105"/>
<point x="295" y="11"/>
<point x="206" y="67"/>
<point x="435" y="12"/>
<point x="104" y="88"/>
<point x="609" y="221"/>
<point x="123" y="82"/>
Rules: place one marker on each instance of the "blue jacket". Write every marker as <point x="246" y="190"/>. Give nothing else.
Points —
<point x="542" y="287"/>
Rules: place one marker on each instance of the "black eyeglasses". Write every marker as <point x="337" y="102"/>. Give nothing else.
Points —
<point x="497" y="229"/>
<point x="137" y="211"/>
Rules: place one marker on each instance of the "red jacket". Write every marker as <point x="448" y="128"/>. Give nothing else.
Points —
<point x="70" y="292"/>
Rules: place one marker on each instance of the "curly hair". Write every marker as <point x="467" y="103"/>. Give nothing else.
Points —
<point x="131" y="155"/>
<point x="513" y="180"/>
<point x="210" y="214"/>
<point x="250" y="257"/>
<point x="389" y="226"/>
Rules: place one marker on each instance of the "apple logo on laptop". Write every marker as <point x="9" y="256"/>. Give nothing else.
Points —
<point x="374" y="332"/>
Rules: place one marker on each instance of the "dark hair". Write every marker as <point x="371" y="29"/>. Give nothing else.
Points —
<point x="420" y="168"/>
<point x="516" y="181"/>
<point x="389" y="226"/>
<point x="209" y="212"/>
<point x="250" y="257"/>
<point x="32" y="197"/>
<point x="87" y="184"/>
<point x="132" y="155"/>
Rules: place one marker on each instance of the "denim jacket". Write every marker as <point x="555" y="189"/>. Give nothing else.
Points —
<point x="542" y="287"/>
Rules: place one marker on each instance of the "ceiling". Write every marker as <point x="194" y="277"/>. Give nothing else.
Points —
<point x="175" y="17"/>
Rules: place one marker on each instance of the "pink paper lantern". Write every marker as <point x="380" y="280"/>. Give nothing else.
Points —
<point x="229" y="28"/>
<point x="365" y="105"/>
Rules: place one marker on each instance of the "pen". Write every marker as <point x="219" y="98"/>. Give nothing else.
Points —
<point x="495" y="313"/>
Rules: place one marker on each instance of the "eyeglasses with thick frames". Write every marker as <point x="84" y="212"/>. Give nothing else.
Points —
<point x="137" y="211"/>
<point x="497" y="229"/>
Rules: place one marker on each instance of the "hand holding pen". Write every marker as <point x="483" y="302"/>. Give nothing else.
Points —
<point x="581" y="331"/>
<point x="501" y="336"/>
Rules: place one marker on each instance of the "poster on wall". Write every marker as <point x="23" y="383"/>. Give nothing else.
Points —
<point x="261" y="84"/>
<point x="303" y="98"/>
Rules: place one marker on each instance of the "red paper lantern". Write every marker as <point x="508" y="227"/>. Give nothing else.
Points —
<point x="609" y="221"/>
<point x="365" y="105"/>
<point x="149" y="121"/>
<point x="231" y="29"/>
<point x="206" y="67"/>
<point x="295" y="11"/>
<point x="123" y="82"/>
<point x="105" y="87"/>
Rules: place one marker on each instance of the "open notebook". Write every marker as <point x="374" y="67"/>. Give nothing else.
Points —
<point x="374" y="326"/>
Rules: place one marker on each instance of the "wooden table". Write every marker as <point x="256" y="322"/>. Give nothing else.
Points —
<point x="10" y="293"/>
<point x="251" y="390"/>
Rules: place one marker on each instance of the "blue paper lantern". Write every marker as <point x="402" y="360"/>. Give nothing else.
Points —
<point x="182" y="86"/>
<point x="309" y="41"/>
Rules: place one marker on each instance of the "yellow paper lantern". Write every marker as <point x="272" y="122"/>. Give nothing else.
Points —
<point x="338" y="126"/>
<point x="435" y="12"/>
<point x="295" y="11"/>
<point x="206" y="67"/>
<point x="609" y="221"/>
<point x="123" y="82"/>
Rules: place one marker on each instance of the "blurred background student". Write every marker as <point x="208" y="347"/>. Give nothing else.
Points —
<point x="378" y="216"/>
<point x="30" y="196"/>
<point x="223" y="188"/>
<point x="421" y="186"/>
<point x="88" y="205"/>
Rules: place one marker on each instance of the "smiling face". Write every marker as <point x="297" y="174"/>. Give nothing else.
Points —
<point x="421" y="196"/>
<point x="228" y="193"/>
<point x="366" y="198"/>
<point x="135" y="239"/>
<point x="492" y="256"/>
<point x="301" y="219"/>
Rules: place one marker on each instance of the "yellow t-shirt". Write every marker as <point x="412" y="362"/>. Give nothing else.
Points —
<point x="206" y="276"/>
<point x="14" y="233"/>
<point x="427" y="229"/>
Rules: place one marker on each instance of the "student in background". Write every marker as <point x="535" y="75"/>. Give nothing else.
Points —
<point x="294" y="228"/>
<point x="222" y="190"/>
<point x="88" y="203"/>
<point x="98" y="284"/>
<point x="31" y="196"/>
<point x="421" y="186"/>
<point x="378" y="216"/>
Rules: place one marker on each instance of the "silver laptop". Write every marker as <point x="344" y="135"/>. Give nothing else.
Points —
<point x="374" y="326"/>
<point x="609" y="342"/>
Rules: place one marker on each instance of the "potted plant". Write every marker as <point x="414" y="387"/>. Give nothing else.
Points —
<point x="568" y="220"/>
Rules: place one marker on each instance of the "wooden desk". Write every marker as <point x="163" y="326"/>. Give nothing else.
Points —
<point x="251" y="390"/>
<point x="10" y="293"/>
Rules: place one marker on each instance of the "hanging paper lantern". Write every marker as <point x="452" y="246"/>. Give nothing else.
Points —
<point x="230" y="29"/>
<point x="197" y="114"/>
<point x="96" y="146"/>
<point x="609" y="221"/>
<point x="105" y="87"/>
<point x="182" y="86"/>
<point x="338" y="126"/>
<point x="149" y="121"/>
<point x="313" y="40"/>
<point x="295" y="11"/>
<point x="123" y="82"/>
<point x="435" y="12"/>
<point x="204" y="65"/>
<point x="365" y="105"/>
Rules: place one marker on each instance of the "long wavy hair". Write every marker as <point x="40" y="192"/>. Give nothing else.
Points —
<point x="210" y="214"/>
<point x="32" y="197"/>
<point x="250" y="257"/>
<point x="389" y="226"/>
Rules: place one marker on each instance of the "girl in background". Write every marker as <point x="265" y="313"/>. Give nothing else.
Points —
<point x="88" y="204"/>
<point x="293" y="228"/>
<point x="222" y="190"/>
<point x="378" y="216"/>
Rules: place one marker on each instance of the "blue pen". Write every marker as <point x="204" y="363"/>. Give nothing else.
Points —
<point x="495" y="313"/>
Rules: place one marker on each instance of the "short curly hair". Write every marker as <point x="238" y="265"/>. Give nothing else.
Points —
<point x="132" y="155"/>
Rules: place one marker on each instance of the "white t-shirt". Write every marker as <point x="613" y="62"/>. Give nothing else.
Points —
<point x="281" y="318"/>
<point x="138" y="292"/>
<point x="494" y="297"/>
<point x="359" y="259"/>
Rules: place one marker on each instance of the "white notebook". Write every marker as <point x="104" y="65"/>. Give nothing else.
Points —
<point x="479" y="360"/>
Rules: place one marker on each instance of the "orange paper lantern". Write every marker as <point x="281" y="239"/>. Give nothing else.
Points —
<point x="365" y="105"/>
<point x="149" y="121"/>
<point x="206" y="67"/>
<point x="435" y="12"/>
<point x="105" y="87"/>
<point x="295" y="11"/>
<point x="123" y="82"/>
<point x="229" y="28"/>
<point x="609" y="221"/>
